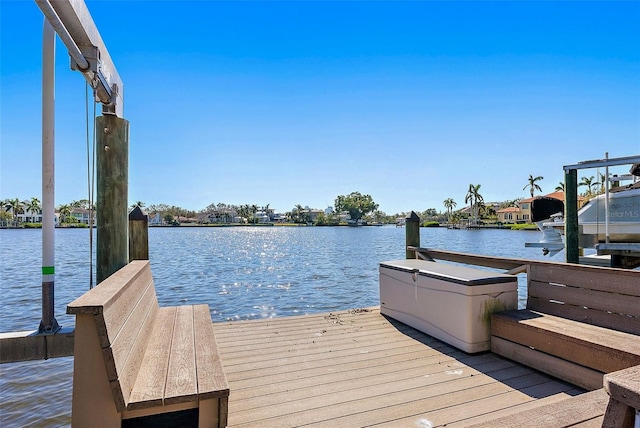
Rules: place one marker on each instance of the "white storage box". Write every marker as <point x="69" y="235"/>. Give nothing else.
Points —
<point x="449" y="302"/>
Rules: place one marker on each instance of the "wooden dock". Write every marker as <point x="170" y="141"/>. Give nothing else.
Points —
<point x="359" y="368"/>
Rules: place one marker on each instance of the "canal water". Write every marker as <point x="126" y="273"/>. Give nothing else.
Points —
<point x="241" y="272"/>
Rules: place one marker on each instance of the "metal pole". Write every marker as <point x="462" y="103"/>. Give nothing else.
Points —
<point x="54" y="20"/>
<point x="48" y="324"/>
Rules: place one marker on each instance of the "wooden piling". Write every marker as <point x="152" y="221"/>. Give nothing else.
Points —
<point x="138" y="235"/>
<point x="412" y="230"/>
<point x="112" y="135"/>
<point x="571" y="216"/>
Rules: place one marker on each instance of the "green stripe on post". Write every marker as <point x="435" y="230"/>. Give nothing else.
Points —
<point x="48" y="270"/>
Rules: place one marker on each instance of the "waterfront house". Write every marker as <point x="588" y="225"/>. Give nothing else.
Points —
<point x="28" y="216"/>
<point x="525" y="204"/>
<point x="510" y="215"/>
<point x="155" y="219"/>
<point x="81" y="215"/>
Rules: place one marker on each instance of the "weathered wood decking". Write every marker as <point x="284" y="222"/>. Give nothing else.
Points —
<point x="359" y="368"/>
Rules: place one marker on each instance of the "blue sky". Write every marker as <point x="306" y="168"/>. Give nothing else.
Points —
<point x="297" y="102"/>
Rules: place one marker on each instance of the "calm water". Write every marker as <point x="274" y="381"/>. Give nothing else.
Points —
<point x="241" y="272"/>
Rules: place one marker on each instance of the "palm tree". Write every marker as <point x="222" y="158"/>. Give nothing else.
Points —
<point x="532" y="184"/>
<point x="473" y="196"/>
<point x="603" y="182"/>
<point x="265" y="209"/>
<point x="33" y="207"/>
<point x="16" y="208"/>
<point x="449" y="203"/>
<point x="560" y="187"/>
<point x="243" y="210"/>
<point x="137" y="204"/>
<point x="589" y="182"/>
<point x="298" y="218"/>
<point x="64" y="211"/>
<point x="254" y="209"/>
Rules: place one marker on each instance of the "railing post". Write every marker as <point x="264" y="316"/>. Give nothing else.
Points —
<point x="571" y="216"/>
<point x="138" y="235"/>
<point x="412" y="230"/>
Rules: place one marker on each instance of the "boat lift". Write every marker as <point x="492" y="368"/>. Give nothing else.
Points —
<point x="620" y="252"/>
<point x="72" y="22"/>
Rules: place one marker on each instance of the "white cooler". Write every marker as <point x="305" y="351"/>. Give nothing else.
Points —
<point x="451" y="303"/>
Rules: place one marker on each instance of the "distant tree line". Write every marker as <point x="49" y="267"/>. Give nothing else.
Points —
<point x="360" y="207"/>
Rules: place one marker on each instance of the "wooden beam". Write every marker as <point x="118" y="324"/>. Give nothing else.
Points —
<point x="571" y="216"/>
<point x="412" y="234"/>
<point x="112" y="196"/>
<point x="30" y="346"/>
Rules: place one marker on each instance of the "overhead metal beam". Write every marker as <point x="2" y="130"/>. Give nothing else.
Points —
<point x="90" y="56"/>
<point x="598" y="163"/>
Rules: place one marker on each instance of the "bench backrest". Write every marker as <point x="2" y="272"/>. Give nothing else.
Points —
<point x="124" y="307"/>
<point x="605" y="297"/>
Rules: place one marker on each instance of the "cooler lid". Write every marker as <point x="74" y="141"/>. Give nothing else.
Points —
<point x="451" y="273"/>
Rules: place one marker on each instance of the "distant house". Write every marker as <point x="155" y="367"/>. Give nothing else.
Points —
<point x="525" y="204"/>
<point x="155" y="219"/>
<point x="510" y="215"/>
<point x="82" y="215"/>
<point x="28" y="216"/>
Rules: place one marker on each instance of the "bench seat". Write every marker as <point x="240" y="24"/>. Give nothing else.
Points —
<point x="592" y="346"/>
<point x="133" y="359"/>
<point x="580" y="323"/>
<point x="584" y="410"/>
<point x="180" y="363"/>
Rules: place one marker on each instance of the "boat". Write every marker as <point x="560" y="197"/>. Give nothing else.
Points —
<point x="610" y="218"/>
<point x="624" y="215"/>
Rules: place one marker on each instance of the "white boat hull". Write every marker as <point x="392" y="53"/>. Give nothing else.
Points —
<point x="624" y="217"/>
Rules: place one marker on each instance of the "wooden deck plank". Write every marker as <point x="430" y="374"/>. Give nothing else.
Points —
<point x="362" y="377"/>
<point x="339" y="393"/>
<point x="273" y="338"/>
<point x="363" y="369"/>
<point x="391" y="407"/>
<point x="181" y="377"/>
<point x="150" y="384"/>
<point x="355" y="377"/>
<point x="311" y="361"/>
<point x="592" y="277"/>
<point x="212" y="381"/>
<point x="530" y="386"/>
<point x="310" y="342"/>
<point x="585" y="297"/>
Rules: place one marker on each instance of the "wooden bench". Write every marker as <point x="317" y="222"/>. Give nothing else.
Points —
<point x="623" y="388"/>
<point x="135" y="361"/>
<point x="580" y="323"/>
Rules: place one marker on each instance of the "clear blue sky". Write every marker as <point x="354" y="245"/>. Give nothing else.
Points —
<point x="297" y="102"/>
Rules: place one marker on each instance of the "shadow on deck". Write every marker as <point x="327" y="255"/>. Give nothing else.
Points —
<point x="359" y="368"/>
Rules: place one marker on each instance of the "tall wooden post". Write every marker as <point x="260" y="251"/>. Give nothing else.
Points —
<point x="112" y="173"/>
<point x="412" y="230"/>
<point x="571" y="216"/>
<point x="138" y="235"/>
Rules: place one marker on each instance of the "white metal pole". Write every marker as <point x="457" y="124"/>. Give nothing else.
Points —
<point x="48" y="324"/>
<point x="54" y="20"/>
<point x="606" y="198"/>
